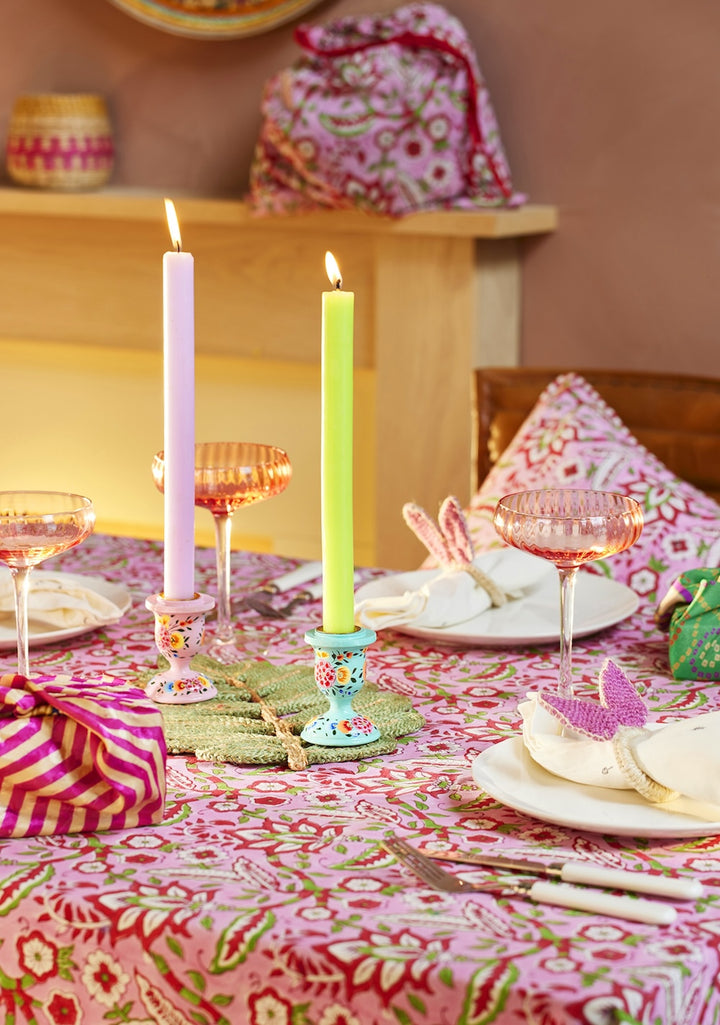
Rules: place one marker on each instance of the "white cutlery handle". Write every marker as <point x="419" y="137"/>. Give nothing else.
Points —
<point x="295" y="577"/>
<point x="314" y="590"/>
<point x="636" y="882"/>
<point x="600" y="903"/>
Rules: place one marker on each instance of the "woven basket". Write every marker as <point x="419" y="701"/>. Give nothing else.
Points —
<point x="58" y="141"/>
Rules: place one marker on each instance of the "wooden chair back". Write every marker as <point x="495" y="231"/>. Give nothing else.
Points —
<point x="675" y="416"/>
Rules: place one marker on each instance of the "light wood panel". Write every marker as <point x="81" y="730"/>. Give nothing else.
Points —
<point x="423" y="387"/>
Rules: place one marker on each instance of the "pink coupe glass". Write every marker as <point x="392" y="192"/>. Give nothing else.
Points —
<point x="568" y="528"/>
<point x="230" y="475"/>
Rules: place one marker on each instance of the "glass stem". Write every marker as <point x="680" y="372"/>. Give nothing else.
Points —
<point x="567" y="608"/>
<point x="21" y="582"/>
<point x="224" y="631"/>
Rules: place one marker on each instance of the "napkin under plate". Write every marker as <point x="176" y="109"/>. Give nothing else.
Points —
<point x="62" y="600"/>
<point x="453" y="596"/>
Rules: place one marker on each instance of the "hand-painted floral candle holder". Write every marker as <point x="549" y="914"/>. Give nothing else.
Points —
<point x="60" y="141"/>
<point x="339" y="675"/>
<point x="179" y="632"/>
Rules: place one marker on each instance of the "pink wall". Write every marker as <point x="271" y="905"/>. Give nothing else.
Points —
<point x="610" y="111"/>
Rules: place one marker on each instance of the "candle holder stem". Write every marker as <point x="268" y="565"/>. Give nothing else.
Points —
<point x="340" y="675"/>
<point x="179" y="633"/>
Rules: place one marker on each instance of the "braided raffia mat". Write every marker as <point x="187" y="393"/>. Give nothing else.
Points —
<point x="260" y="710"/>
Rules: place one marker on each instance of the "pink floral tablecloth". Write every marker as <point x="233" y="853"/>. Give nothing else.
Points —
<point x="264" y="897"/>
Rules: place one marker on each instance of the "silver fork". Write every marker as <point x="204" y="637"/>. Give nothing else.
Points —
<point x="427" y="870"/>
<point x="540" y="891"/>
<point x="310" y="593"/>
<point x="264" y="607"/>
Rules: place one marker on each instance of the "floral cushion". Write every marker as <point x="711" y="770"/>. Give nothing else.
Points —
<point x="573" y="439"/>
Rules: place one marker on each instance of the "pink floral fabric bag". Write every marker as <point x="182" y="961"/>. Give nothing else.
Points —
<point x="78" y="756"/>
<point x="388" y="114"/>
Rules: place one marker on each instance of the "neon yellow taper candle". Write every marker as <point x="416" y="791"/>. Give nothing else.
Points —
<point x="337" y="455"/>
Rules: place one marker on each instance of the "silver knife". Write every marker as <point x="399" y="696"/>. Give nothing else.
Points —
<point x="582" y="872"/>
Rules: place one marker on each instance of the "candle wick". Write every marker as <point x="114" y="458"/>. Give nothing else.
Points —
<point x="338" y="284"/>
<point x="178" y="247"/>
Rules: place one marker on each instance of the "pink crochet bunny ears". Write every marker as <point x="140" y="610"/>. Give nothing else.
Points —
<point x="619" y="705"/>
<point x="449" y="542"/>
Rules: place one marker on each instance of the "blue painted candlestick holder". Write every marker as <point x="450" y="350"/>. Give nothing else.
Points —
<point x="339" y="675"/>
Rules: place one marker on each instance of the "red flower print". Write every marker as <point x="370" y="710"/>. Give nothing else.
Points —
<point x="104" y="979"/>
<point x="37" y="956"/>
<point x="361" y="724"/>
<point x="610" y="954"/>
<point x="267" y="1008"/>
<point x="324" y="673"/>
<point x="63" y="1009"/>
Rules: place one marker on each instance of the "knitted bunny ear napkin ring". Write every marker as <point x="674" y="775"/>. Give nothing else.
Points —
<point x="611" y="743"/>
<point x="620" y="716"/>
<point x="449" y="542"/>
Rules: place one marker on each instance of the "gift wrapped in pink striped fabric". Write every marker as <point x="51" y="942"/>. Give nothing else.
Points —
<point x="78" y="756"/>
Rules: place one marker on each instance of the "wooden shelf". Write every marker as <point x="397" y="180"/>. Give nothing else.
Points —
<point x="141" y="205"/>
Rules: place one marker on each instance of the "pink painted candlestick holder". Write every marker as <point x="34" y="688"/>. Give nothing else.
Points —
<point x="179" y="633"/>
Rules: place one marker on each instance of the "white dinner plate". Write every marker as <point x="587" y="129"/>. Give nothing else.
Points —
<point x="45" y="633"/>
<point x="507" y="773"/>
<point x="533" y="619"/>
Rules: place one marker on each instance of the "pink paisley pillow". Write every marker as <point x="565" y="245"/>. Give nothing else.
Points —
<point x="573" y="439"/>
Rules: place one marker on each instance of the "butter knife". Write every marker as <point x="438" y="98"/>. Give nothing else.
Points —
<point x="583" y="872"/>
<point x="579" y="898"/>
<point x="294" y="578"/>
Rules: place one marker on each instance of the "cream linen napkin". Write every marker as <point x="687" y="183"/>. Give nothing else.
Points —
<point x="61" y="601"/>
<point x="610" y="744"/>
<point x="454" y="595"/>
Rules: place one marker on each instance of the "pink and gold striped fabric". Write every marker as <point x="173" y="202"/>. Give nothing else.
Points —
<point x="78" y="756"/>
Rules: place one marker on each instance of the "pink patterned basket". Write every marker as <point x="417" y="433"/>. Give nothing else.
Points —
<point x="60" y="141"/>
<point x="78" y="756"/>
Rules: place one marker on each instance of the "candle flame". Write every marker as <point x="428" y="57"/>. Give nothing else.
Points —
<point x="333" y="271"/>
<point x="173" y="225"/>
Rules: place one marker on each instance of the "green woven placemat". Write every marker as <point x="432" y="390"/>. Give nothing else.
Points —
<point x="260" y="710"/>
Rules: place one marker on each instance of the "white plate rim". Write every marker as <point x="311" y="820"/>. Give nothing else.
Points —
<point x="482" y="630"/>
<point x="506" y="772"/>
<point x="115" y="593"/>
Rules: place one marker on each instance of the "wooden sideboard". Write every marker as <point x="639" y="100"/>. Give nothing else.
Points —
<point x="436" y="294"/>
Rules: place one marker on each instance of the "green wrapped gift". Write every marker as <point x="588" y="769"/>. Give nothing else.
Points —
<point x="690" y="613"/>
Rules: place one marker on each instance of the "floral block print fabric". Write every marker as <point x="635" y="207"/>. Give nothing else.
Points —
<point x="573" y="439"/>
<point x="265" y="898"/>
<point x="387" y="114"/>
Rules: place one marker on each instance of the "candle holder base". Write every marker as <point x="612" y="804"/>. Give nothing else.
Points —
<point x="339" y="675"/>
<point x="179" y="633"/>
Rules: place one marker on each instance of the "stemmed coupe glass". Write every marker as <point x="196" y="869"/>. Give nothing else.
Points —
<point x="34" y="526"/>
<point x="230" y="475"/>
<point x="569" y="528"/>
